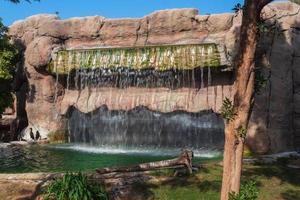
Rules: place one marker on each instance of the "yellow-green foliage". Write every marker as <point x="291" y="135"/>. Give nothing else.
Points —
<point x="241" y="132"/>
<point x="157" y="57"/>
<point x="7" y="57"/>
<point x="60" y="136"/>
<point x="227" y="110"/>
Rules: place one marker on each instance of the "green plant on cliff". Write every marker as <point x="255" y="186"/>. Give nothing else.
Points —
<point x="260" y="81"/>
<point x="227" y="110"/>
<point x="8" y="59"/>
<point x="74" y="186"/>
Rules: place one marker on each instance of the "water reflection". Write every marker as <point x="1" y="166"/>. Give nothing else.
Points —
<point x="31" y="158"/>
<point x="49" y="158"/>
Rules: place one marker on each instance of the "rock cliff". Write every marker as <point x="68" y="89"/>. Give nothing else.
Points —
<point x="275" y="122"/>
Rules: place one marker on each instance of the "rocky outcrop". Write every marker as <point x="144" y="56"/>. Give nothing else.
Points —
<point x="275" y="121"/>
<point x="41" y="35"/>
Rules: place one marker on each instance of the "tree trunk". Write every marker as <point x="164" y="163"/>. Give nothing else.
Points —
<point x="243" y="97"/>
<point x="184" y="160"/>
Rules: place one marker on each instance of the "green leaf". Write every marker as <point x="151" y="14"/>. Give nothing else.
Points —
<point x="74" y="186"/>
<point x="227" y="110"/>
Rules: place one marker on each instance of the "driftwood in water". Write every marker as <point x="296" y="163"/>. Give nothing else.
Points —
<point x="184" y="160"/>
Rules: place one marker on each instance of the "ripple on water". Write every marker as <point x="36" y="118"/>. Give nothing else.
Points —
<point x="54" y="158"/>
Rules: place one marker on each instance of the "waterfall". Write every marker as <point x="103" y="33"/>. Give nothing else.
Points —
<point x="141" y="127"/>
<point x="160" y="68"/>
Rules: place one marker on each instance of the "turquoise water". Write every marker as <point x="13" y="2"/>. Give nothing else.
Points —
<point x="58" y="158"/>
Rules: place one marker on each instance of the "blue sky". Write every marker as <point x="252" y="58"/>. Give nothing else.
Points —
<point x="108" y="8"/>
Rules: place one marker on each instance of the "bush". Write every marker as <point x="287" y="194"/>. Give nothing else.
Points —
<point x="248" y="191"/>
<point x="74" y="186"/>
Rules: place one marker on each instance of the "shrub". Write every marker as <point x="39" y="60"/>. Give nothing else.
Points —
<point x="74" y="186"/>
<point x="248" y="191"/>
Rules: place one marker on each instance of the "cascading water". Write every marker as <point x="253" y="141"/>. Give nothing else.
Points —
<point x="166" y="69"/>
<point x="142" y="127"/>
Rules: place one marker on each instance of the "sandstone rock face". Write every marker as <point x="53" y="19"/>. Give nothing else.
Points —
<point x="275" y="121"/>
<point x="159" y="99"/>
<point x="38" y="52"/>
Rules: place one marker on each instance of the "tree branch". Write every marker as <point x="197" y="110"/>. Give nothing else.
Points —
<point x="184" y="160"/>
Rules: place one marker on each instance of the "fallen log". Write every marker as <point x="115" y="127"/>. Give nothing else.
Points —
<point x="184" y="160"/>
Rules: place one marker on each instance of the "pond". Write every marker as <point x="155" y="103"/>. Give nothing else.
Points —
<point x="72" y="157"/>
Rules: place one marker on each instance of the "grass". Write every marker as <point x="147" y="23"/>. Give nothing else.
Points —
<point x="275" y="182"/>
<point x="74" y="186"/>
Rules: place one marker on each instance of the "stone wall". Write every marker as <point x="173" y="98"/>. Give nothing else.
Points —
<point x="275" y="123"/>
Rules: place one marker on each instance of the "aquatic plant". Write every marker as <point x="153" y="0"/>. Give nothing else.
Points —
<point x="74" y="186"/>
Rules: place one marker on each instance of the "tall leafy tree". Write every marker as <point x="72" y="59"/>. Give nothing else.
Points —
<point x="8" y="55"/>
<point x="237" y="113"/>
<point x="7" y="62"/>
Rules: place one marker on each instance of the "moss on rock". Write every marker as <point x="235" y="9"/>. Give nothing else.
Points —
<point x="158" y="57"/>
<point x="60" y="136"/>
